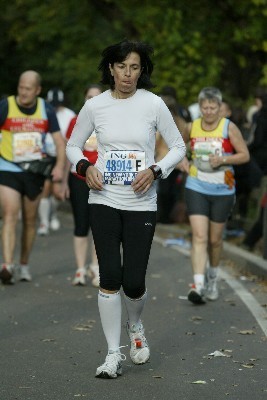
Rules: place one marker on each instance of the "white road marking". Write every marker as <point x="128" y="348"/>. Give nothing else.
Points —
<point x="252" y="304"/>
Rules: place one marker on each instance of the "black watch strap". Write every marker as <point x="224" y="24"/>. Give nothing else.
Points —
<point x="156" y="171"/>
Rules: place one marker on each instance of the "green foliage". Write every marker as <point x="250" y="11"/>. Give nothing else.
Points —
<point x="203" y="43"/>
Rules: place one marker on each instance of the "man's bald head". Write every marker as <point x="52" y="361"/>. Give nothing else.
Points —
<point x="32" y="76"/>
<point x="29" y="88"/>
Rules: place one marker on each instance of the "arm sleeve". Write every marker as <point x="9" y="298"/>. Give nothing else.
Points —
<point x="52" y="118"/>
<point x="82" y="130"/>
<point x="173" y="138"/>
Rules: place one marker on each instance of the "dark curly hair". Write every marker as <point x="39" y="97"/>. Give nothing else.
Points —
<point x="118" y="52"/>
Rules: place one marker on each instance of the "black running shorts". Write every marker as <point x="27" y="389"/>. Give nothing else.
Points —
<point x="26" y="183"/>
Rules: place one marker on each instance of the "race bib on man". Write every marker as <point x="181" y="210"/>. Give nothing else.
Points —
<point x="26" y="146"/>
<point x="122" y="166"/>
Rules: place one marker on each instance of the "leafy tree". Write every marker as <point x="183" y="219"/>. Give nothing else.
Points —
<point x="199" y="44"/>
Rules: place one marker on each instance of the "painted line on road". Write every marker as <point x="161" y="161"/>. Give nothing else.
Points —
<point x="248" y="299"/>
<point x="252" y="304"/>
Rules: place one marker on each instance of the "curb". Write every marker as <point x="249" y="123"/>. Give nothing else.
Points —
<point x="245" y="260"/>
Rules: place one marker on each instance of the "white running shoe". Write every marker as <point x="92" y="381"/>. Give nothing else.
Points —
<point x="212" y="292"/>
<point x="80" y="279"/>
<point x="7" y="274"/>
<point x="112" y="367"/>
<point x="139" y="351"/>
<point x="24" y="273"/>
<point x="43" y="230"/>
<point x="93" y="273"/>
<point x="54" y="224"/>
<point x="196" y="296"/>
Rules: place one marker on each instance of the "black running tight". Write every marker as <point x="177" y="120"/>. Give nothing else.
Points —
<point x="79" y="194"/>
<point x="123" y="241"/>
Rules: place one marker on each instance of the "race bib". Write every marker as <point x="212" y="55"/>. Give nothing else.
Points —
<point x="202" y="150"/>
<point x="26" y="146"/>
<point x="122" y="166"/>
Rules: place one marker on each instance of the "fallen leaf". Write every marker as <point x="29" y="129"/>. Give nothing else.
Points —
<point x="247" y="332"/>
<point x="82" y="327"/>
<point x="48" y="340"/>
<point x="218" y="353"/>
<point x="196" y="318"/>
<point x="248" y="365"/>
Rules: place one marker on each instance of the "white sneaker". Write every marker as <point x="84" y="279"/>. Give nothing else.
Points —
<point x="93" y="273"/>
<point x="79" y="279"/>
<point x="54" y="224"/>
<point x="196" y="296"/>
<point x="139" y="351"/>
<point x="7" y="274"/>
<point x="112" y="367"/>
<point x="43" y="230"/>
<point x="212" y="292"/>
<point x="24" y="273"/>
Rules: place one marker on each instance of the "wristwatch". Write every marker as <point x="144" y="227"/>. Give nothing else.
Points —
<point x="157" y="172"/>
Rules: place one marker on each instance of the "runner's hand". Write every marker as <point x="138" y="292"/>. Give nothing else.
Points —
<point x="57" y="173"/>
<point x="143" y="181"/>
<point x="94" y="178"/>
<point x="184" y="165"/>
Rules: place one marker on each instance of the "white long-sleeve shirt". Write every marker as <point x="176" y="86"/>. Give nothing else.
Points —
<point x="126" y="124"/>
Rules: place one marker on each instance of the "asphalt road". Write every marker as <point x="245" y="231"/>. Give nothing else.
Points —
<point x="51" y="341"/>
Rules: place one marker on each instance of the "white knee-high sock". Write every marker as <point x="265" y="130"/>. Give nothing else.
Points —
<point x="135" y="308"/>
<point x="110" y="313"/>
<point x="44" y="211"/>
<point x="54" y="206"/>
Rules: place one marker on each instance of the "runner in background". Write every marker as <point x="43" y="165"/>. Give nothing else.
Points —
<point x="78" y="192"/>
<point x="47" y="211"/>
<point x="25" y="120"/>
<point x="216" y="145"/>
